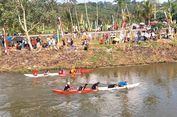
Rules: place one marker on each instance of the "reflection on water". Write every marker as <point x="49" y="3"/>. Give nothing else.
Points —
<point x="21" y="96"/>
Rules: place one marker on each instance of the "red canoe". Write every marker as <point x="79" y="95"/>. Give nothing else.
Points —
<point x="72" y="91"/>
<point x="85" y="71"/>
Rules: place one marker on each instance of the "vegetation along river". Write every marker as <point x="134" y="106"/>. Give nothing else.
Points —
<point x="156" y="96"/>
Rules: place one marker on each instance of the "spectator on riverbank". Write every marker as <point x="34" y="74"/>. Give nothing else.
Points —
<point x="34" y="43"/>
<point x="85" y="44"/>
<point x="127" y="36"/>
<point x="63" y="42"/>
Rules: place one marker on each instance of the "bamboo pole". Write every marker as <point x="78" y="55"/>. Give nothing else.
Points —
<point x="97" y="14"/>
<point x="5" y="42"/>
<point x="87" y="15"/>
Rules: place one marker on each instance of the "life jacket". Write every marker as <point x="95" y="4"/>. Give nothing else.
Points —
<point x="61" y="71"/>
<point x="73" y="71"/>
<point x="35" y="72"/>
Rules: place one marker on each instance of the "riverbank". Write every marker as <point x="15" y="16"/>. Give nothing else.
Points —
<point x="96" y="56"/>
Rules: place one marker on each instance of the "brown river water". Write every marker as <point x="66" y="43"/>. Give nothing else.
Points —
<point x="156" y="96"/>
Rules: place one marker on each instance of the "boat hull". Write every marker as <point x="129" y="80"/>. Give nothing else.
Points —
<point x="72" y="91"/>
<point x="89" y="90"/>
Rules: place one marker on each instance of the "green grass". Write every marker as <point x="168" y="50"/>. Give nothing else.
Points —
<point x="173" y="42"/>
<point x="94" y="59"/>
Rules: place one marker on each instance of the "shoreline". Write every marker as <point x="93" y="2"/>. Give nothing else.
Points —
<point x="96" y="57"/>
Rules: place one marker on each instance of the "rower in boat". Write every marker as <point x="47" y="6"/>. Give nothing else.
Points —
<point x="35" y="72"/>
<point x="73" y="72"/>
<point x="46" y="72"/>
<point x="95" y="86"/>
<point x="122" y="83"/>
<point x="112" y="85"/>
<point x="62" y="72"/>
<point x="82" y="87"/>
<point x="67" y="87"/>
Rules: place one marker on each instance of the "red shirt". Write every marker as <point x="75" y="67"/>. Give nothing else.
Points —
<point x="35" y="72"/>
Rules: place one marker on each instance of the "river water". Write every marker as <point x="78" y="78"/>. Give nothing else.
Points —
<point x="156" y="96"/>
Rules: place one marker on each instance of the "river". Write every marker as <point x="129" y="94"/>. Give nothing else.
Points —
<point x="156" y="95"/>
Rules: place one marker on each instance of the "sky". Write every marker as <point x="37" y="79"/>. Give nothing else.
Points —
<point x="81" y="1"/>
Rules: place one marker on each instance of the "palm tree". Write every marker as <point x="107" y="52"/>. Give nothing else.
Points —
<point x="122" y="5"/>
<point x="148" y="11"/>
<point x="170" y="11"/>
<point x="123" y="8"/>
<point x="139" y="13"/>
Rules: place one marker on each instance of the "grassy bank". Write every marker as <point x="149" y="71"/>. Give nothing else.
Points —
<point x="97" y="56"/>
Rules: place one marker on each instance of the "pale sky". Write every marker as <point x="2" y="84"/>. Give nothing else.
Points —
<point x="81" y="1"/>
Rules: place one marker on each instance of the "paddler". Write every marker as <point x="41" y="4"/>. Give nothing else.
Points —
<point x="95" y="86"/>
<point x="73" y="70"/>
<point x="67" y="86"/>
<point x="62" y="71"/>
<point x="122" y="83"/>
<point x="35" y="72"/>
<point x="82" y="87"/>
<point x="46" y="72"/>
<point x="112" y="85"/>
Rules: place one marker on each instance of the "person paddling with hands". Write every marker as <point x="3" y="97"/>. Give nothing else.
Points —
<point x="95" y="86"/>
<point x="67" y="86"/>
<point x="122" y="83"/>
<point x="46" y="72"/>
<point x="35" y="72"/>
<point x="112" y="85"/>
<point x="82" y="87"/>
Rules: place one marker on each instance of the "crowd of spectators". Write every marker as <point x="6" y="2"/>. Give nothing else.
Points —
<point x="108" y="37"/>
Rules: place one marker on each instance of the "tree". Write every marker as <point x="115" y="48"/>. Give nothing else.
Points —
<point x="88" y="22"/>
<point x="148" y="11"/>
<point x="8" y="17"/>
<point x="139" y="13"/>
<point x="123" y="8"/>
<point x="30" y="13"/>
<point x="160" y="16"/>
<point x="51" y="15"/>
<point x="169" y="10"/>
<point x="75" y="9"/>
<point x="97" y="14"/>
